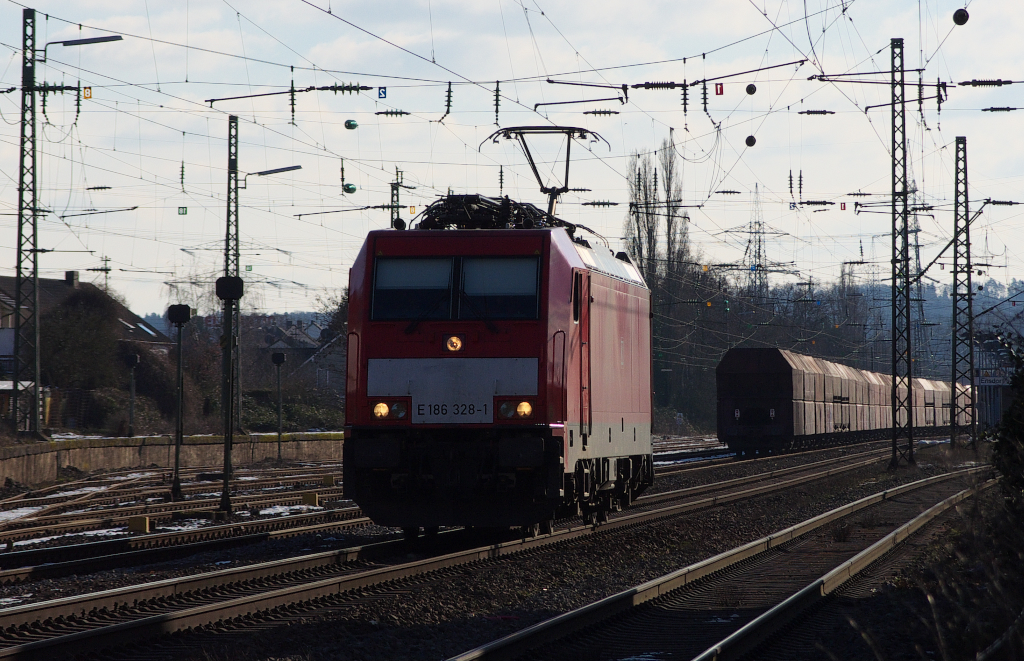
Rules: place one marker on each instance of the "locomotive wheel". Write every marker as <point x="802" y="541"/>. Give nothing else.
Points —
<point x="547" y="527"/>
<point x="602" y="516"/>
<point x="411" y="533"/>
<point x="530" y="530"/>
<point x="589" y="518"/>
<point x="431" y="532"/>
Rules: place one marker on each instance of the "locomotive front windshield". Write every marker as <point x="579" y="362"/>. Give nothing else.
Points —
<point x="412" y="289"/>
<point x="484" y="288"/>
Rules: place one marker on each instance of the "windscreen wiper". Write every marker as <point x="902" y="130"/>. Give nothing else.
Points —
<point x="475" y="310"/>
<point x="426" y="313"/>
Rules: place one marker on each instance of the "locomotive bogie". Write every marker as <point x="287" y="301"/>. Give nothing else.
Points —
<point x="812" y="402"/>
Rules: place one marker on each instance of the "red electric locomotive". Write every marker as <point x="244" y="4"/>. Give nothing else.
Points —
<point x="499" y="372"/>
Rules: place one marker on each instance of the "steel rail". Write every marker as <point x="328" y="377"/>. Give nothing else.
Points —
<point x="152" y="554"/>
<point x="81" y="552"/>
<point x="758" y="630"/>
<point x="757" y="477"/>
<point x="148" y="626"/>
<point x="113" y="494"/>
<point x="567" y="623"/>
<point x="158" y="512"/>
<point x="665" y="471"/>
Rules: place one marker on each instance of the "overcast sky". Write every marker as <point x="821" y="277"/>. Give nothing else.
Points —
<point x="148" y="121"/>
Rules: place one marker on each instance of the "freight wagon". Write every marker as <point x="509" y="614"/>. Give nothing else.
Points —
<point x="774" y="400"/>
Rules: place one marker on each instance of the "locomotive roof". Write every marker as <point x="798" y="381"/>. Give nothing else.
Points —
<point x="478" y="212"/>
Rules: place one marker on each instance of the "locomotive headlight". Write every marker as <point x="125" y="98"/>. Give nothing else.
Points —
<point x="398" y="410"/>
<point x="381" y="410"/>
<point x="453" y="343"/>
<point x="514" y="410"/>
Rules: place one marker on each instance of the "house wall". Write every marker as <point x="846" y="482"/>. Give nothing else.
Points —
<point x="38" y="462"/>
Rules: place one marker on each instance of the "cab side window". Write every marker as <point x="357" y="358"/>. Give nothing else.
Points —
<point x="577" y="284"/>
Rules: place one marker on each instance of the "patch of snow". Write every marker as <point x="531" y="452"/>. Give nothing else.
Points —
<point x="78" y="492"/>
<point x="132" y="476"/>
<point x="187" y="524"/>
<point x="686" y="461"/>
<point x="10" y="515"/>
<point x="285" y="510"/>
<point x="13" y="601"/>
<point x="106" y="532"/>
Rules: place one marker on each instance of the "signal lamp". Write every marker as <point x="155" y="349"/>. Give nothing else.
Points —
<point x="751" y="88"/>
<point x="751" y="141"/>
<point x="524" y="410"/>
<point x="179" y="314"/>
<point x="348" y="188"/>
<point x="960" y="16"/>
<point x="351" y="124"/>
<point x="381" y="410"/>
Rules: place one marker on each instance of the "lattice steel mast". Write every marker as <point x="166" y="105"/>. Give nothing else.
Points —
<point x="26" y="295"/>
<point x="231" y="261"/>
<point x="758" y="275"/>
<point x="963" y="313"/>
<point x="902" y="364"/>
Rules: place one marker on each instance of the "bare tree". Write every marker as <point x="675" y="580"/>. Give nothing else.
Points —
<point x="676" y="239"/>
<point x="642" y="224"/>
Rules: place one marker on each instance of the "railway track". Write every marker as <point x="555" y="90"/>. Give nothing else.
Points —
<point x="268" y="590"/>
<point x="90" y="505"/>
<point x="723" y="607"/>
<point x="52" y="562"/>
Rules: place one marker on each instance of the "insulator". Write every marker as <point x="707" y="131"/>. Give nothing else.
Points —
<point x="655" y="86"/>
<point x="600" y="203"/>
<point x="986" y="83"/>
<point x="816" y="112"/>
<point x="497" y="101"/>
<point x="686" y="96"/>
<point x="601" y="112"/>
<point x="1003" y="109"/>
<point x="391" y="113"/>
<point x="350" y="88"/>
<point x="704" y="94"/>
